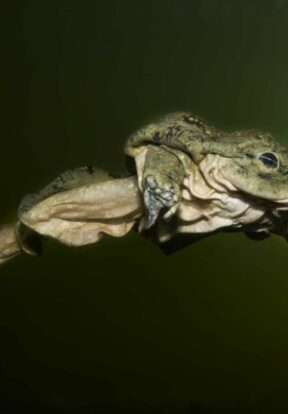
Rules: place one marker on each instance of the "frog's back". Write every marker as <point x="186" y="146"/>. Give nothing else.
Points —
<point x="170" y="131"/>
<point x="191" y="134"/>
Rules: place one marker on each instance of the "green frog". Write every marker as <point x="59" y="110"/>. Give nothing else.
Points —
<point x="187" y="180"/>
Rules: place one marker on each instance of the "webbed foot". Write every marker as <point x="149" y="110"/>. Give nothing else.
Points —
<point x="160" y="193"/>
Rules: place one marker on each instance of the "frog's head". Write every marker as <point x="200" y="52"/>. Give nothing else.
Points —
<point x="240" y="182"/>
<point x="258" y="166"/>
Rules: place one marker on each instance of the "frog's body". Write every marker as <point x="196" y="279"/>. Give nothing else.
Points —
<point x="191" y="179"/>
<point x="215" y="180"/>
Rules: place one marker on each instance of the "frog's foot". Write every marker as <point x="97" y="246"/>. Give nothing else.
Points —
<point x="160" y="193"/>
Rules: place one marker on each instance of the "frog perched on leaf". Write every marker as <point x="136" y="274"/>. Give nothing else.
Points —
<point x="188" y="180"/>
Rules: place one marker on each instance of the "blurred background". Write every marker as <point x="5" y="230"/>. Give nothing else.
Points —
<point x="119" y="327"/>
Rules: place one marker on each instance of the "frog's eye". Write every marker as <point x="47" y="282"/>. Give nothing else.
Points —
<point x="269" y="159"/>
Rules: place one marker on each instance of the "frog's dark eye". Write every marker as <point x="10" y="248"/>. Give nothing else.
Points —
<point x="269" y="159"/>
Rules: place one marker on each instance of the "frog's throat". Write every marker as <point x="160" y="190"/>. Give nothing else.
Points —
<point x="210" y="202"/>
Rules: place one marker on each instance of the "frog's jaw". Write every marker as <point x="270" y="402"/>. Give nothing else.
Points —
<point x="235" y="176"/>
<point x="267" y="206"/>
<point x="212" y="202"/>
<point x="272" y="199"/>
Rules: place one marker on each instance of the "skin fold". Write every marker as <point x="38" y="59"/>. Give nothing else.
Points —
<point x="188" y="180"/>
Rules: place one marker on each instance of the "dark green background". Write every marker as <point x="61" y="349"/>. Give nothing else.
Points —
<point x="118" y="327"/>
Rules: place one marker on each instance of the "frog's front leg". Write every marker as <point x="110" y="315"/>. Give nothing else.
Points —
<point x="162" y="177"/>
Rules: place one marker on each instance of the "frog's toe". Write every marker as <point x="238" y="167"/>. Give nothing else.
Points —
<point x="158" y="194"/>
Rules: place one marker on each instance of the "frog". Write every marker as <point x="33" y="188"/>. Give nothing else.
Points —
<point x="252" y="161"/>
<point x="186" y="180"/>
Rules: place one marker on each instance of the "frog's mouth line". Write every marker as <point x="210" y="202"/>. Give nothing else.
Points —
<point x="214" y="170"/>
<point x="212" y="173"/>
<point x="211" y="203"/>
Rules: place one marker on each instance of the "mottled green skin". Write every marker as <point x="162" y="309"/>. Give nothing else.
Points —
<point x="168" y="149"/>
<point x="164" y="170"/>
<point x="196" y="138"/>
<point x="162" y="178"/>
<point x="68" y="180"/>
